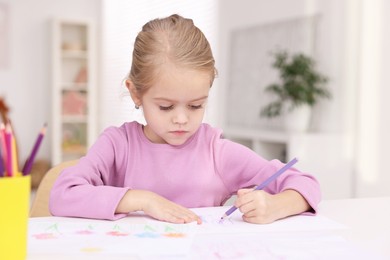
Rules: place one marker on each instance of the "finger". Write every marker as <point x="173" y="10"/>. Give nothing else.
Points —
<point x="173" y="219"/>
<point x="191" y="218"/>
<point x="171" y="215"/>
<point x="243" y="191"/>
<point x="198" y="220"/>
<point x="257" y="219"/>
<point x="187" y="215"/>
<point x="247" y="207"/>
<point x="251" y="219"/>
<point x="254" y="217"/>
<point x="243" y="198"/>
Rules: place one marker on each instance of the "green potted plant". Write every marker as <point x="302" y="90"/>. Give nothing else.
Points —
<point x="300" y="87"/>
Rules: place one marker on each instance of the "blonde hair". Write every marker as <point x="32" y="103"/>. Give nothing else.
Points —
<point x="173" y="40"/>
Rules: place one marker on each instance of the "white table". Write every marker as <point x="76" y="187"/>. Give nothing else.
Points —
<point x="356" y="227"/>
<point x="368" y="220"/>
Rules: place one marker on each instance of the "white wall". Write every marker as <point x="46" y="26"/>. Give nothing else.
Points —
<point x="26" y="82"/>
<point x="373" y="126"/>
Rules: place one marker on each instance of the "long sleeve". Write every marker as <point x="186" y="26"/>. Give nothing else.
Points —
<point x="93" y="187"/>
<point x="241" y="167"/>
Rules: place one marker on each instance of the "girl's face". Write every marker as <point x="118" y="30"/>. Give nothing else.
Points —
<point x="174" y="105"/>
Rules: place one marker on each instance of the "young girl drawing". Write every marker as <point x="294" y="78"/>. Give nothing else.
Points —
<point x="175" y="162"/>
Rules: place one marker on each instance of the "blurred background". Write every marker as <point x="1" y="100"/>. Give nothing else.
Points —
<point x="64" y="62"/>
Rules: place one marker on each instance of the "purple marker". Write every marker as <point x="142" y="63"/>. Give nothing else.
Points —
<point x="264" y="184"/>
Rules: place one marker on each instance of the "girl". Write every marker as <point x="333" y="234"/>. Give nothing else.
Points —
<point x="175" y="161"/>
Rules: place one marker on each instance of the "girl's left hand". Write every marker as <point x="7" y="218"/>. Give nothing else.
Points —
<point x="261" y="207"/>
<point x="257" y="206"/>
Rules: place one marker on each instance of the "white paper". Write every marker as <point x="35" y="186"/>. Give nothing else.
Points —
<point x="234" y="223"/>
<point x="141" y="237"/>
<point x="279" y="245"/>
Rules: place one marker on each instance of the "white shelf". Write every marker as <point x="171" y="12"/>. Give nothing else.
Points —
<point x="73" y="88"/>
<point x="276" y="136"/>
<point x="73" y="54"/>
<point x="74" y="119"/>
<point x="267" y="143"/>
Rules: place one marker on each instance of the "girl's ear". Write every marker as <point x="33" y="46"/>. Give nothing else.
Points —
<point x="133" y="93"/>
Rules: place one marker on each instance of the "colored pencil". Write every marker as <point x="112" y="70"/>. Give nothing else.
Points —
<point x="15" y="167"/>
<point x="8" y="144"/>
<point x="1" y="163"/>
<point x="264" y="184"/>
<point x="30" y="160"/>
<point x="3" y="146"/>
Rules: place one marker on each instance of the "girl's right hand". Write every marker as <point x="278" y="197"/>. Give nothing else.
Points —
<point x="157" y="207"/>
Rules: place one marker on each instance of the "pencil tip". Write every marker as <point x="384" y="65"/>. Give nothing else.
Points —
<point x="43" y="129"/>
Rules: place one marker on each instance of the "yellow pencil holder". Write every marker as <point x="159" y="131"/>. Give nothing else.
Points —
<point x="14" y="212"/>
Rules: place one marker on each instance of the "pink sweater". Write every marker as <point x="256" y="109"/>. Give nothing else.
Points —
<point x="205" y="171"/>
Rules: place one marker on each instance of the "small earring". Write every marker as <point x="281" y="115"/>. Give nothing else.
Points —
<point x="136" y="106"/>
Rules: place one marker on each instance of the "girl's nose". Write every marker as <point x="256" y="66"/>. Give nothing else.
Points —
<point x="180" y="118"/>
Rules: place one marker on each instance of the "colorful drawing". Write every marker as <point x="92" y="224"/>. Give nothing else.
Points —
<point x="110" y="237"/>
<point x="291" y="238"/>
<point x="87" y="231"/>
<point x="174" y="235"/>
<point x="117" y="232"/>
<point x="91" y="249"/>
<point x="51" y="232"/>
<point x="44" y="236"/>
<point x="84" y="232"/>
<point x="211" y="219"/>
<point x="149" y="228"/>
<point x="152" y="230"/>
<point x="147" y="235"/>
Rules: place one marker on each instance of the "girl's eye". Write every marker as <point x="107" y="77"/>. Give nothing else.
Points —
<point x="165" y="108"/>
<point x="196" y="106"/>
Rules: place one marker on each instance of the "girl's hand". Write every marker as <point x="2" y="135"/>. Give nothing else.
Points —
<point x="261" y="207"/>
<point x="162" y="209"/>
<point x="157" y="207"/>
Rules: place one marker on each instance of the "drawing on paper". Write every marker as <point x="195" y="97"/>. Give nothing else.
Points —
<point x="87" y="231"/>
<point x="211" y="219"/>
<point x="51" y="232"/>
<point x="117" y="232"/>
<point x="91" y="249"/>
<point x="153" y="230"/>
<point x="108" y="237"/>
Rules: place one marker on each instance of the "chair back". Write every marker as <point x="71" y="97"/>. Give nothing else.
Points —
<point x="40" y="205"/>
